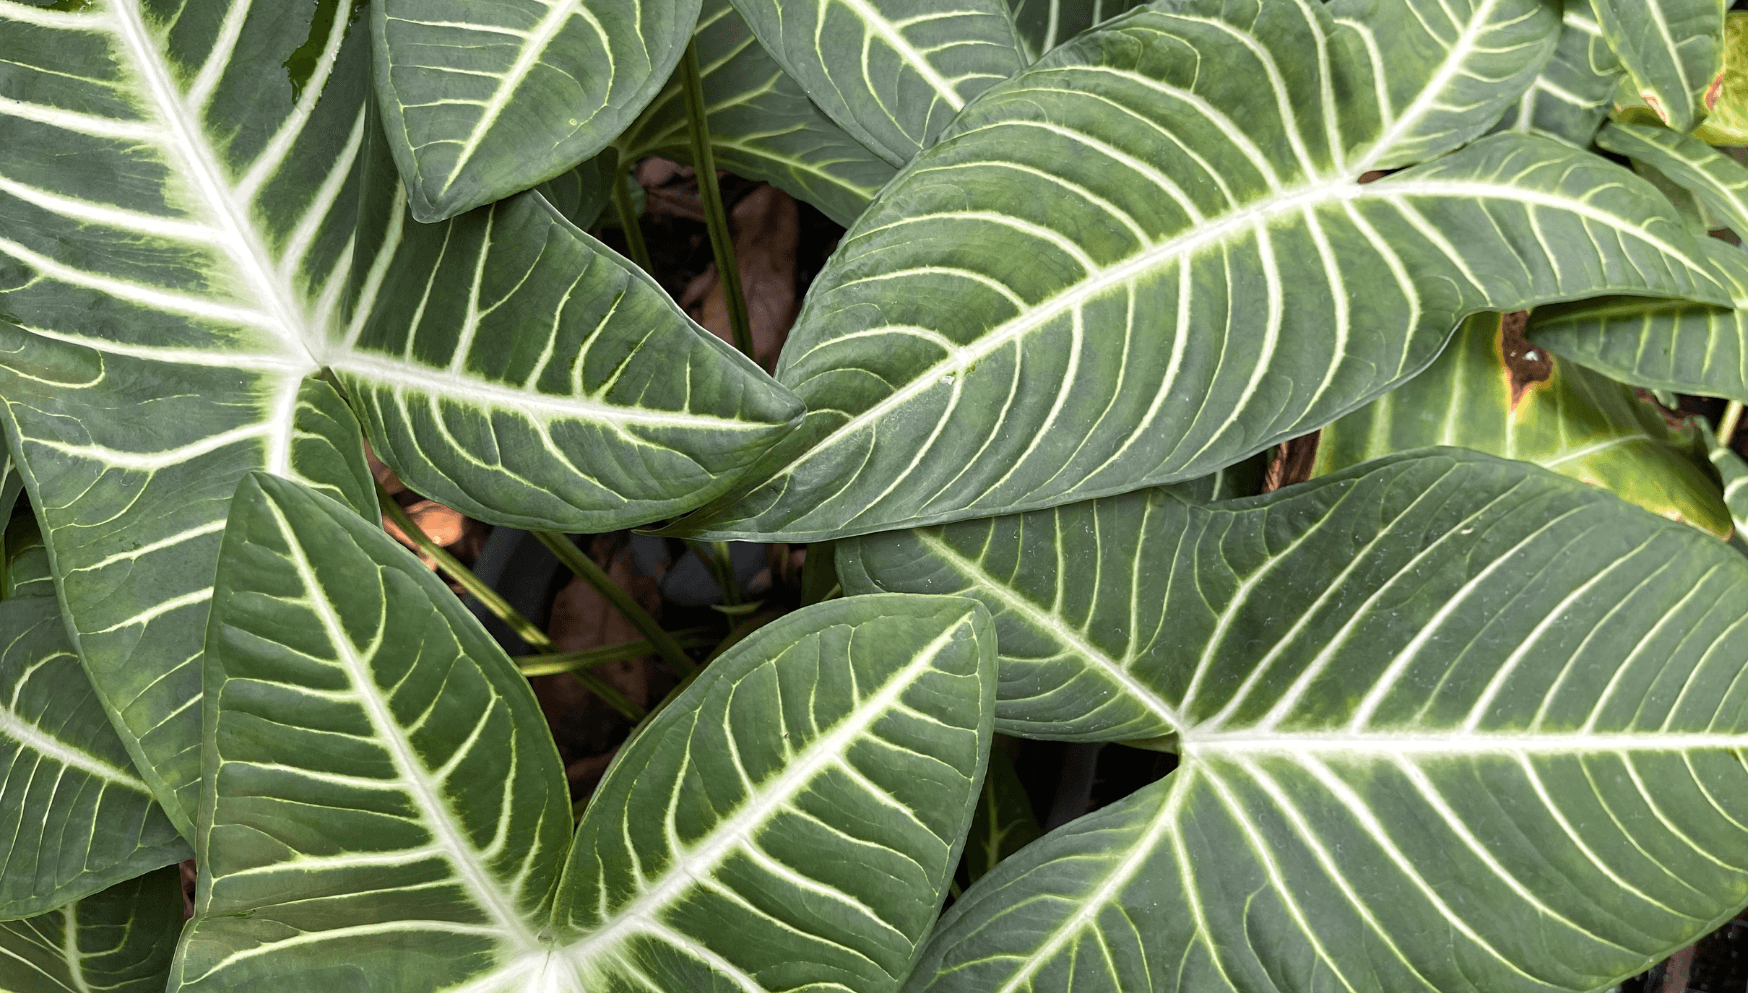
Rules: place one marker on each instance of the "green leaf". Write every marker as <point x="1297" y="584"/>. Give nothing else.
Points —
<point x="762" y="125"/>
<point x="1727" y="124"/>
<point x="1004" y="822"/>
<point x="1494" y="392"/>
<point x="1044" y="24"/>
<point x="1733" y="473"/>
<point x="209" y="235"/>
<point x="583" y="193"/>
<point x="484" y="100"/>
<point x="76" y="815"/>
<point x="611" y="408"/>
<point x="1055" y="303"/>
<point x="1718" y="180"/>
<point x="1570" y="98"/>
<point x="27" y="561"/>
<point x="890" y="72"/>
<point x="118" y="941"/>
<point x="384" y="799"/>
<point x="1672" y="48"/>
<point x="1445" y="722"/>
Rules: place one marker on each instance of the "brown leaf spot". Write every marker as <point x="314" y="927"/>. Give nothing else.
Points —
<point x="1526" y="365"/>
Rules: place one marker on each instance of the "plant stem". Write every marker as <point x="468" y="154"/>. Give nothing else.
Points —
<point x="525" y="629"/>
<point x="595" y="576"/>
<point x="634" y="242"/>
<point x="721" y="242"/>
<point x="1727" y="423"/>
<point x="557" y="662"/>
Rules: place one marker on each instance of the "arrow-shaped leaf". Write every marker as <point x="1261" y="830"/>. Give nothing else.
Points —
<point x="762" y="125"/>
<point x="77" y="816"/>
<point x="118" y="941"/>
<point x="1055" y="302"/>
<point x="406" y="813"/>
<point x="1427" y="710"/>
<point x="890" y="72"/>
<point x="484" y="100"/>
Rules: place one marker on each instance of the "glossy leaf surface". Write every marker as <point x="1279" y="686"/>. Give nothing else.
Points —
<point x="1494" y="392"/>
<point x="762" y="125"/>
<point x="405" y="820"/>
<point x="890" y="72"/>
<point x="1055" y="303"/>
<point x="76" y="816"/>
<point x="117" y="941"/>
<point x="1445" y="722"/>
<point x="482" y="100"/>
<point x="1672" y="48"/>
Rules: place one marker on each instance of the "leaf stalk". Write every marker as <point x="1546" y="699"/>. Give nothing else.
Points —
<point x="715" y="215"/>
<point x="595" y="576"/>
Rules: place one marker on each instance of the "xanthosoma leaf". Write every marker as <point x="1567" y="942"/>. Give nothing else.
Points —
<point x="518" y="370"/>
<point x="484" y="100"/>
<point x="1667" y="344"/>
<point x="1055" y="303"/>
<point x="762" y="125"/>
<point x="890" y="72"/>
<point x="385" y="807"/>
<point x="1044" y="24"/>
<point x="1571" y="96"/>
<point x="1493" y="392"/>
<point x="1672" y="48"/>
<point x="117" y="941"/>
<point x="77" y="816"/>
<point x="1445" y="723"/>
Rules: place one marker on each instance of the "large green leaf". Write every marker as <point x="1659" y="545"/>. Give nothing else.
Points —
<point x="1672" y="48"/>
<point x="385" y="808"/>
<point x="1493" y="392"/>
<point x="1667" y="344"/>
<point x="483" y="100"/>
<point x="118" y="941"/>
<point x="1445" y="723"/>
<point x="1571" y="96"/>
<point x="602" y="362"/>
<point x="1044" y="24"/>
<point x="76" y="815"/>
<point x="762" y="125"/>
<point x="211" y="233"/>
<point x="1117" y="269"/>
<point x="890" y="72"/>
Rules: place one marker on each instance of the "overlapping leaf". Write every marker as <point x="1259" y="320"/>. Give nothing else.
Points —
<point x="1445" y="723"/>
<point x="1570" y="98"/>
<point x="1044" y="24"/>
<point x="762" y="125"/>
<point x="1672" y="48"/>
<point x="118" y="941"/>
<point x="386" y="807"/>
<point x="890" y="72"/>
<point x="1727" y="121"/>
<point x="1666" y="344"/>
<point x="76" y="815"/>
<point x="484" y="100"/>
<point x="1116" y="269"/>
<point x="211" y="231"/>
<point x="1493" y="392"/>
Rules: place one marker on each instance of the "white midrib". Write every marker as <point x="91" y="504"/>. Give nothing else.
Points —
<point x="1479" y="23"/>
<point x="532" y="49"/>
<point x="895" y="40"/>
<point x="1385" y="744"/>
<point x="236" y="232"/>
<point x="1331" y="191"/>
<point x="826" y="750"/>
<point x="70" y="948"/>
<point x="427" y="796"/>
<point x="53" y="748"/>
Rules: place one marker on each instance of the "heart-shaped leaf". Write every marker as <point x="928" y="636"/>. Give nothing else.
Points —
<point x="1493" y="392"/>
<point x="1444" y="722"/>
<point x="890" y="72"/>
<point x="407" y="813"/>
<point x="1057" y="302"/>
<point x="118" y="941"/>
<point x="484" y="100"/>
<point x="76" y="815"/>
